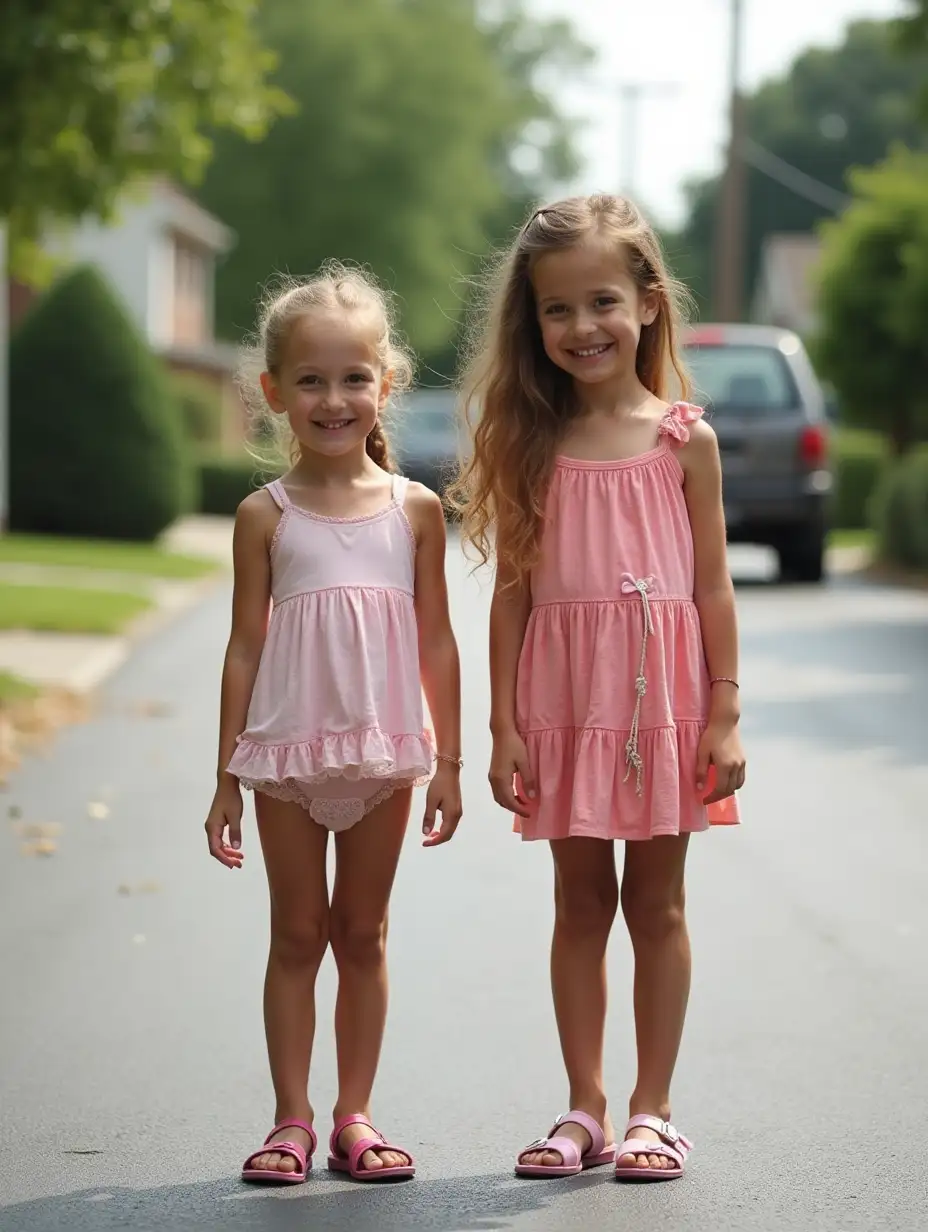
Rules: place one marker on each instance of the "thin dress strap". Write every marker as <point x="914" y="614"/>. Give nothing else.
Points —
<point x="399" y="486"/>
<point x="278" y="494"/>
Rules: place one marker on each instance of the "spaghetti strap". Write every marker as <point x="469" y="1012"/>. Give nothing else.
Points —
<point x="278" y="494"/>
<point x="400" y="485"/>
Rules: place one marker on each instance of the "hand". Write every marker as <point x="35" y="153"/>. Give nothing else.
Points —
<point x="510" y="758"/>
<point x="443" y="796"/>
<point x="720" y="747"/>
<point x="226" y="813"/>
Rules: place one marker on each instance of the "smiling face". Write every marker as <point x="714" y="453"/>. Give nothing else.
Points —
<point x="330" y="382"/>
<point x="591" y="312"/>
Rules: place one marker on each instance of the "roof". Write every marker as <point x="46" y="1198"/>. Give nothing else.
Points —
<point x="190" y="219"/>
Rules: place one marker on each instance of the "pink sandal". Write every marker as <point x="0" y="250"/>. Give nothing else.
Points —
<point x="572" y="1161"/>
<point x="350" y="1163"/>
<point x="672" y="1146"/>
<point x="303" y="1158"/>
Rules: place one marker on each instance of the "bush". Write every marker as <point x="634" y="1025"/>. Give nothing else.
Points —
<point x="96" y="444"/>
<point x="200" y="406"/>
<point x="225" y="482"/>
<point x="859" y="459"/>
<point x="900" y="512"/>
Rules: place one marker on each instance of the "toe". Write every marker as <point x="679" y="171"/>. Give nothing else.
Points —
<point x="654" y="1161"/>
<point x="371" y="1161"/>
<point x="642" y="1161"/>
<point x="287" y="1164"/>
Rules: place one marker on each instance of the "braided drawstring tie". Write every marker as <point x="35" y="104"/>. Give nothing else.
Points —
<point x="633" y="761"/>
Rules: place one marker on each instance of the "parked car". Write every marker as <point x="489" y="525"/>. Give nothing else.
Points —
<point x="769" y="413"/>
<point x="425" y="437"/>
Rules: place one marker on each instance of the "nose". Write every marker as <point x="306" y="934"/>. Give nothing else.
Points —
<point x="584" y="325"/>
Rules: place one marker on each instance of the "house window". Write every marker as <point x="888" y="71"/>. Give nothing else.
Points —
<point x="190" y="292"/>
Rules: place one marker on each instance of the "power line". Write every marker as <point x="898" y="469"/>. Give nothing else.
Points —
<point x="798" y="182"/>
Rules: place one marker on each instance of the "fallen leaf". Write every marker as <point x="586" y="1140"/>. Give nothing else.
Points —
<point x="40" y="847"/>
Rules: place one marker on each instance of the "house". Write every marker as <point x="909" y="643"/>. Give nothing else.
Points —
<point x="159" y="252"/>
<point x="785" y="290"/>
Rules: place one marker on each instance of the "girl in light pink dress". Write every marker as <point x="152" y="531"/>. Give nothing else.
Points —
<point x="613" y="644"/>
<point x="339" y="623"/>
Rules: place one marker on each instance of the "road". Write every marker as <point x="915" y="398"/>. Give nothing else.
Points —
<point x="131" y="1050"/>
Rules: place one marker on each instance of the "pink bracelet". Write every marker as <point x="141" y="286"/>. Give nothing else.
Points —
<point x="452" y="761"/>
<point x="725" y="680"/>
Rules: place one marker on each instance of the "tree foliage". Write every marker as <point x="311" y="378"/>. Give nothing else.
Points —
<point x="96" y="92"/>
<point x="873" y="343"/>
<point x="833" y="110"/>
<point x="419" y="132"/>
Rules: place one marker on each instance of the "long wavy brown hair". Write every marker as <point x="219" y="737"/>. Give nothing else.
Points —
<point x="516" y="403"/>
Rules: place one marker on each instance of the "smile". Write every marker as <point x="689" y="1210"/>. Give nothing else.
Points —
<point x="332" y="425"/>
<point x="591" y="352"/>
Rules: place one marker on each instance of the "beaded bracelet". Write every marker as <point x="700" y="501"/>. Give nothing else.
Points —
<point x="452" y="761"/>
<point x="725" y="680"/>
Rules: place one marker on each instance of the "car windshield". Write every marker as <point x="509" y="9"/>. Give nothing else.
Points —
<point x="425" y="421"/>
<point x="743" y="378"/>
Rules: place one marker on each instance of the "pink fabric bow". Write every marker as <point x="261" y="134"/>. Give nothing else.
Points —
<point x="632" y="584"/>
<point x="676" y="420"/>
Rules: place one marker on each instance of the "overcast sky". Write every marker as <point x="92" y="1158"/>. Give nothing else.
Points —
<point x="682" y="47"/>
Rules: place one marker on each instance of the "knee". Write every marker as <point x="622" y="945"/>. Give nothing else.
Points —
<point x="585" y="911"/>
<point x="358" y="942"/>
<point x="299" y="942"/>
<point x="653" y="917"/>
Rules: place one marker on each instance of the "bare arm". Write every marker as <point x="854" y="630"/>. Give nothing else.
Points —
<point x="715" y="601"/>
<point x="254" y="524"/>
<point x="439" y="664"/>
<point x="509" y="613"/>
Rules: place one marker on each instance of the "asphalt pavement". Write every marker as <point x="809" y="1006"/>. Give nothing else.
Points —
<point x="132" y="1069"/>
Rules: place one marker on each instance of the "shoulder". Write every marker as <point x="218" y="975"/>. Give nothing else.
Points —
<point x="257" y="516"/>
<point x="694" y="439"/>
<point x="425" y="512"/>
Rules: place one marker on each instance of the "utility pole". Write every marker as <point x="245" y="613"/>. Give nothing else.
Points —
<point x="730" y="216"/>
<point x="631" y="94"/>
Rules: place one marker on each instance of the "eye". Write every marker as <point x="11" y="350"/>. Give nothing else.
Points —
<point x="308" y="379"/>
<point x="359" y="378"/>
<point x="554" y="310"/>
<point x="605" y="301"/>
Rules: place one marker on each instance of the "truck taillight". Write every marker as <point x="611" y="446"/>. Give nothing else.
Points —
<point x="813" y="446"/>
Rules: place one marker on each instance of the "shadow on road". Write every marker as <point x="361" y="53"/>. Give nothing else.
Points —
<point x="460" y="1204"/>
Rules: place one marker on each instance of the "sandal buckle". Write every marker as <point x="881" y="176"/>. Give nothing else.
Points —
<point x="668" y="1131"/>
<point x="536" y="1145"/>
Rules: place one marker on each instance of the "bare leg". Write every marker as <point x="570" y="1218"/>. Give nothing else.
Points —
<point x="367" y="856"/>
<point x="586" y="898"/>
<point x="294" y="849"/>
<point x="653" y="902"/>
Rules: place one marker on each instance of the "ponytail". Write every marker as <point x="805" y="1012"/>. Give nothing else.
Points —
<point x="378" y="448"/>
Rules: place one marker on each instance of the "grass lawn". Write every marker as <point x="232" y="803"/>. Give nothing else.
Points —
<point x="101" y="554"/>
<point x="64" y="609"/>
<point x="851" y="539"/>
<point x="12" y="689"/>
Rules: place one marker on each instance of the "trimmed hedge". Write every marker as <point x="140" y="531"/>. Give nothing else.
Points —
<point x="200" y="406"/>
<point x="225" y="482"/>
<point x="900" y="512"/>
<point x="859" y="459"/>
<point x="97" y="445"/>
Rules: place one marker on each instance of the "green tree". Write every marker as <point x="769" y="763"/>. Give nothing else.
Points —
<point x="413" y="122"/>
<point x="873" y="342"/>
<point x="96" y="442"/>
<point x="96" y="92"/>
<point x="833" y="110"/>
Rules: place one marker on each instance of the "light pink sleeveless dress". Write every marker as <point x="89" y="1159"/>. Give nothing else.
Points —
<point x="335" y="722"/>
<point x="613" y="690"/>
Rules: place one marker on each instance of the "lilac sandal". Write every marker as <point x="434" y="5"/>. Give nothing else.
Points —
<point x="351" y="1163"/>
<point x="572" y="1161"/>
<point x="273" y="1175"/>
<point x="672" y="1146"/>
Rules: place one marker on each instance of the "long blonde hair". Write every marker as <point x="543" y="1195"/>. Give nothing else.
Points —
<point x="516" y="402"/>
<point x="336" y="286"/>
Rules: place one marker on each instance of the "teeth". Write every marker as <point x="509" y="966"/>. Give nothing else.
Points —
<point x="588" y="351"/>
<point x="334" y="424"/>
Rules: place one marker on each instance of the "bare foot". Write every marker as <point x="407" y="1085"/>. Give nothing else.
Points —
<point x="274" y="1161"/>
<point x="661" y="1162"/>
<point x="371" y="1161"/>
<point x="574" y="1133"/>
